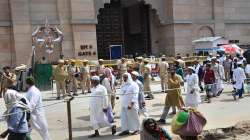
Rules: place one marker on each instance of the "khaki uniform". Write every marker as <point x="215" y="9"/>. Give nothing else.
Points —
<point x="72" y="71"/>
<point x="174" y="97"/>
<point x="60" y="76"/>
<point x="99" y="69"/>
<point x="85" y="78"/>
<point x="146" y="72"/>
<point x="164" y="75"/>
<point x="122" y="69"/>
<point x="7" y="80"/>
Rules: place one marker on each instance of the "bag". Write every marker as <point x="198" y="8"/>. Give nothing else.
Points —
<point x="194" y="125"/>
<point x="179" y="120"/>
<point x="110" y="115"/>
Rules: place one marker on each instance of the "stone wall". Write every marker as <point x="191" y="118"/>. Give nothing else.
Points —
<point x="6" y="51"/>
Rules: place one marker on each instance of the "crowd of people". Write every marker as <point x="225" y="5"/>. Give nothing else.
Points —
<point x="135" y="88"/>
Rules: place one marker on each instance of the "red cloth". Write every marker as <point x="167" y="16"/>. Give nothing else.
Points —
<point x="209" y="77"/>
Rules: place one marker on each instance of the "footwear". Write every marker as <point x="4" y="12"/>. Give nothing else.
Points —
<point x="58" y="98"/>
<point x="172" y="113"/>
<point x="234" y="97"/>
<point x="135" y="132"/>
<point x="219" y="93"/>
<point x="89" y="91"/>
<point x="124" y="133"/>
<point x="113" y="129"/>
<point x="209" y="101"/>
<point x="241" y="97"/>
<point x="162" y="91"/>
<point x="75" y="94"/>
<point x="161" y="121"/>
<point x="94" y="135"/>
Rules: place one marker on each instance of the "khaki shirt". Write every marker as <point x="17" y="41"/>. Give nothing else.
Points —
<point x="146" y="71"/>
<point x="100" y="69"/>
<point x="84" y="70"/>
<point x="60" y="74"/>
<point x="122" y="67"/>
<point x="164" y="68"/>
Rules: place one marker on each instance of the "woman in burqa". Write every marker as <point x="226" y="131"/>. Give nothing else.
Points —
<point x="152" y="131"/>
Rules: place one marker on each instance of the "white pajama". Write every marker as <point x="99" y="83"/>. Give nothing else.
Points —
<point x="130" y="119"/>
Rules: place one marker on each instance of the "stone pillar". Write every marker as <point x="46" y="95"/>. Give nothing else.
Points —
<point x="219" y="17"/>
<point x="64" y="13"/>
<point x="83" y="20"/>
<point x="21" y="30"/>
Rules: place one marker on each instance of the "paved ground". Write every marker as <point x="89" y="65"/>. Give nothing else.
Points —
<point x="222" y="112"/>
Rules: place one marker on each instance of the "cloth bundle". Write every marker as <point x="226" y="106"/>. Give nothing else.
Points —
<point x="188" y="123"/>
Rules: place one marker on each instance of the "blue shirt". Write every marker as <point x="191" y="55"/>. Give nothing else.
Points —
<point x="17" y="122"/>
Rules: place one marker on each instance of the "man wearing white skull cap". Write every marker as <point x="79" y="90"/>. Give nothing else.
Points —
<point x="98" y="107"/>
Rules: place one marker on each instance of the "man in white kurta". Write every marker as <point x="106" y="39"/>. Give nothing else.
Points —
<point x="38" y="119"/>
<point x="219" y="74"/>
<point x="239" y="77"/>
<point x="129" y="103"/>
<point x="221" y="78"/>
<point x="98" y="105"/>
<point x="193" y="98"/>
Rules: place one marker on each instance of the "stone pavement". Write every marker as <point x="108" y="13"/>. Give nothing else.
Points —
<point x="222" y="112"/>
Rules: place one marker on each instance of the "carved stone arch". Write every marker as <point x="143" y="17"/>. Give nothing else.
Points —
<point x="205" y="31"/>
<point x="158" y="5"/>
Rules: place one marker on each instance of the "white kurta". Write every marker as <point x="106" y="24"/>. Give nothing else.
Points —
<point x="239" y="77"/>
<point x="98" y="102"/>
<point x="192" y="100"/>
<point x="129" y="117"/>
<point x="38" y="119"/>
<point x="222" y="77"/>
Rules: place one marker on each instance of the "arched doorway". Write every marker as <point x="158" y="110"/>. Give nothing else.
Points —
<point x="205" y="31"/>
<point x="125" y="23"/>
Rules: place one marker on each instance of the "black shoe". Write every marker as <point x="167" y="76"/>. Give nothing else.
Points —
<point x="149" y="98"/>
<point x="58" y="98"/>
<point x="172" y="113"/>
<point x="89" y="91"/>
<point x="161" y="121"/>
<point x="219" y="93"/>
<point x="135" y="132"/>
<point x="113" y="130"/>
<point x="124" y="133"/>
<point x="94" y="135"/>
<point x="241" y="97"/>
<point x="75" y="94"/>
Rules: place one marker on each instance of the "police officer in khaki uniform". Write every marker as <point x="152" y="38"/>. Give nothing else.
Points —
<point x="163" y="73"/>
<point x="60" y="75"/>
<point x="67" y="81"/>
<point x="85" y="76"/>
<point x="146" y="73"/>
<point x="73" y="74"/>
<point x="8" y="79"/>
<point x="100" y="67"/>
<point x="122" y="67"/>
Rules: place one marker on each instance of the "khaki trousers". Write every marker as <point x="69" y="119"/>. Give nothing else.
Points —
<point x="164" y="84"/>
<point x="60" y="88"/>
<point x="85" y="83"/>
<point x="73" y="84"/>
